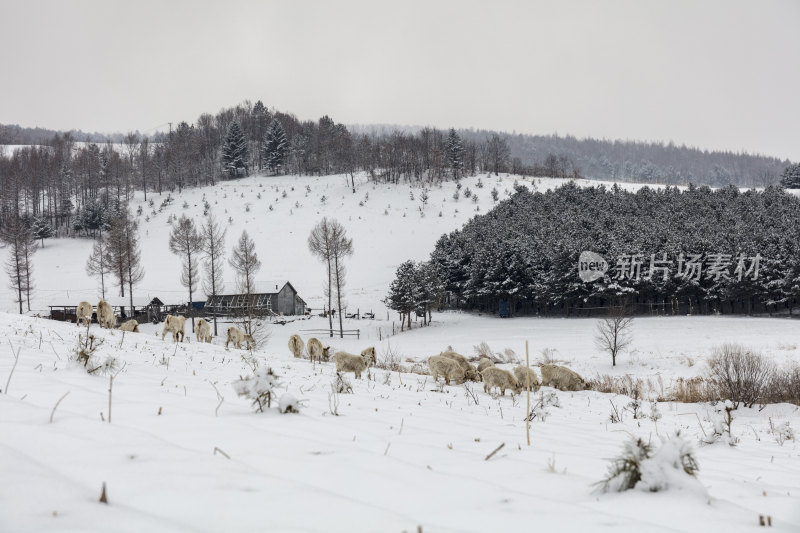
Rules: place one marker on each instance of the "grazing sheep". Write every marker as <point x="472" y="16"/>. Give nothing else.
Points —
<point x="317" y="352"/>
<point x="105" y="315"/>
<point x="84" y="313"/>
<point x="296" y="345"/>
<point x="520" y="373"/>
<point x="503" y="379"/>
<point x="469" y="371"/>
<point x="237" y="336"/>
<point x="202" y="331"/>
<point x="175" y="325"/>
<point x="484" y="363"/>
<point x="369" y="356"/>
<point x="562" y="378"/>
<point x="131" y="326"/>
<point x="445" y="367"/>
<point x="347" y="362"/>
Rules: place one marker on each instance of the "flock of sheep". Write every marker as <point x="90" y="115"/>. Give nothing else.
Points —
<point x="448" y="365"/>
<point x="174" y="324"/>
<point x="453" y="366"/>
<point x="345" y="362"/>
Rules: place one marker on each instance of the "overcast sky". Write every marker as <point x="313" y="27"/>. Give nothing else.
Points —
<point x="718" y="75"/>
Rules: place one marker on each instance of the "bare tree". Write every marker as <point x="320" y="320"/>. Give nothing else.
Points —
<point x="21" y="245"/>
<point x="245" y="262"/>
<point x="185" y="242"/>
<point x="341" y="247"/>
<point x="124" y="257"/>
<point x="614" y="332"/>
<point x="97" y="264"/>
<point x="213" y="247"/>
<point x="319" y="243"/>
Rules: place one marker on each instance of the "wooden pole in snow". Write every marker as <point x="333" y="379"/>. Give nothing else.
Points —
<point x="528" y="387"/>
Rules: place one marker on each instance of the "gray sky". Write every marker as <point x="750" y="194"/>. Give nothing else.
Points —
<point x="713" y="74"/>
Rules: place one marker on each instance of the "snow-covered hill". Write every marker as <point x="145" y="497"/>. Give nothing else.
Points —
<point x="387" y="229"/>
<point x="402" y="451"/>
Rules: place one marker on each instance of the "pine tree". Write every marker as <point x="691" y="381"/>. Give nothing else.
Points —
<point x="455" y="153"/>
<point x="275" y="147"/>
<point x="41" y="229"/>
<point x="403" y="292"/>
<point x="790" y="179"/>
<point x="234" y="151"/>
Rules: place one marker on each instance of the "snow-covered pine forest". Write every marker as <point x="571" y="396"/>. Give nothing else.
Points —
<point x="670" y="252"/>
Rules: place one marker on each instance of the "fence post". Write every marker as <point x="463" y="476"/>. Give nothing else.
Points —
<point x="358" y="334"/>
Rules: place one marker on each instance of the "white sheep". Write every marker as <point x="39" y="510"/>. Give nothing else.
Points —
<point x="296" y="345"/>
<point x="317" y="352"/>
<point x="445" y="367"/>
<point x="175" y="325"/>
<point x="502" y="379"/>
<point x="522" y="373"/>
<point x="202" y="331"/>
<point x="484" y="363"/>
<point x="84" y="313"/>
<point x="369" y="355"/>
<point x="105" y="315"/>
<point x="469" y="371"/>
<point x="347" y="362"/>
<point x="237" y="336"/>
<point x="562" y="378"/>
<point x="130" y="326"/>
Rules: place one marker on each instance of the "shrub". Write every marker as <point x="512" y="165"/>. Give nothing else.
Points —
<point x="740" y="375"/>
<point x="641" y="466"/>
<point x="259" y="387"/>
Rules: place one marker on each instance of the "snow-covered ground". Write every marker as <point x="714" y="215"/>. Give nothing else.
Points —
<point x="401" y="453"/>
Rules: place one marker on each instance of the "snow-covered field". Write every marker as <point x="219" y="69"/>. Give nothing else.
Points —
<point x="401" y="453"/>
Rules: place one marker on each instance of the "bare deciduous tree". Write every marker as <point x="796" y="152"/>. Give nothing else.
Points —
<point x="319" y="242"/>
<point x="124" y="256"/>
<point x="19" y="265"/>
<point x="245" y="262"/>
<point x="328" y="241"/>
<point x="185" y="242"/>
<point x="97" y="264"/>
<point x="213" y="247"/>
<point x="614" y="332"/>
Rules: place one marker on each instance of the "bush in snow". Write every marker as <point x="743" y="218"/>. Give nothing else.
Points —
<point x="289" y="404"/>
<point x="782" y="433"/>
<point x="259" y="387"/>
<point x="739" y="374"/>
<point x="94" y="363"/>
<point x="342" y="385"/>
<point x="640" y="466"/>
<point x="722" y="424"/>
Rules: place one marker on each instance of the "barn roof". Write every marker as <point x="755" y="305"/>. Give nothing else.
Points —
<point x="261" y="287"/>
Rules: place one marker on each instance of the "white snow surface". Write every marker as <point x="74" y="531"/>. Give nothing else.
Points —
<point x="184" y="452"/>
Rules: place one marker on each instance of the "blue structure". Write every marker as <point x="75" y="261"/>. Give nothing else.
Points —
<point x="504" y="311"/>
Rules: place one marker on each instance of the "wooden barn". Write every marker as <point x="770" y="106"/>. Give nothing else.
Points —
<point x="270" y="298"/>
